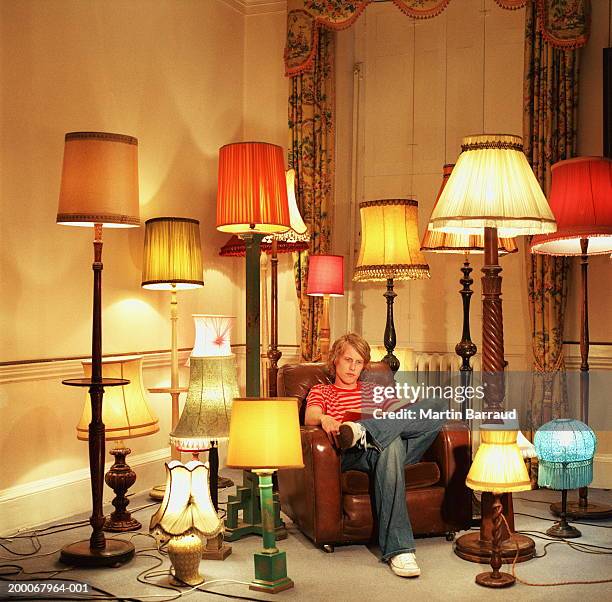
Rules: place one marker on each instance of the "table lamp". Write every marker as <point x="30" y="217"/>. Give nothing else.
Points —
<point x="565" y="449"/>
<point x="251" y="202"/>
<point x="325" y="279"/>
<point x="172" y="261"/>
<point x="390" y="250"/>
<point x="99" y="188"/>
<point x="186" y="514"/>
<point x="126" y="415"/>
<point x="580" y="198"/>
<point x="498" y="468"/>
<point x="265" y="436"/>
<point x="492" y="188"/>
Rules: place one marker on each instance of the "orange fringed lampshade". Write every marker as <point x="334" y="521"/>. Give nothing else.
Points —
<point x="437" y="241"/>
<point x="581" y="199"/>
<point x="99" y="180"/>
<point x="252" y="189"/>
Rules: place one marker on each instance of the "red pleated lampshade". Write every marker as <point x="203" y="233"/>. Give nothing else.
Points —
<point x="581" y="199"/>
<point x="326" y="275"/>
<point x="252" y="189"/>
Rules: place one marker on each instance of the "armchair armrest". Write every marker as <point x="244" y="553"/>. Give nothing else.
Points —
<point x="311" y="496"/>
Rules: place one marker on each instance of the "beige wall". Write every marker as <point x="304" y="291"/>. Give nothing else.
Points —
<point x="170" y="73"/>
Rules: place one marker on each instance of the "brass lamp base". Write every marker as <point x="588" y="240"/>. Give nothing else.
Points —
<point x="562" y="529"/>
<point x="471" y="547"/>
<point x="215" y="549"/>
<point x="80" y="553"/>
<point x="157" y="492"/>
<point x="271" y="573"/>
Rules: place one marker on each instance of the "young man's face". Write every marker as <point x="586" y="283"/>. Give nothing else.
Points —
<point x="349" y="365"/>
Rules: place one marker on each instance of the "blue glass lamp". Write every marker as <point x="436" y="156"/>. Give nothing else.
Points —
<point x="565" y="448"/>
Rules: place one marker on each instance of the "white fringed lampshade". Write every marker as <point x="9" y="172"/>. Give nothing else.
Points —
<point x="125" y="411"/>
<point x="390" y="245"/>
<point x="492" y="186"/>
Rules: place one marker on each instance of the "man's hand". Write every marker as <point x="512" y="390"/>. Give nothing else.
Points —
<point x="331" y="427"/>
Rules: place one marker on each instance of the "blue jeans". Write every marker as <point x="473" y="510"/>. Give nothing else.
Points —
<point x="396" y="443"/>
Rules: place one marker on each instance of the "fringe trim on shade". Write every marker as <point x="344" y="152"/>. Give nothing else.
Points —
<point x="194" y="444"/>
<point x="374" y="273"/>
<point x="565" y="475"/>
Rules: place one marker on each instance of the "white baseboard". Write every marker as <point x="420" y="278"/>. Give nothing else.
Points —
<point x="55" y="498"/>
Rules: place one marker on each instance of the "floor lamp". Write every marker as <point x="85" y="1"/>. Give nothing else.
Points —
<point x="99" y="188"/>
<point x="390" y="250"/>
<point x="581" y="200"/>
<point x="126" y="415"/>
<point x="251" y="202"/>
<point x="172" y="261"/>
<point x="492" y="187"/>
<point x="325" y="279"/>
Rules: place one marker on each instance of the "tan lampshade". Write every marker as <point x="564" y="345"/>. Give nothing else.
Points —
<point x="437" y="241"/>
<point x="265" y="434"/>
<point x="212" y="335"/>
<point x="498" y="466"/>
<point x="186" y="507"/>
<point x="492" y="185"/>
<point x="172" y="254"/>
<point x="390" y="246"/>
<point x="252" y="189"/>
<point x="99" y="180"/>
<point x="298" y="232"/>
<point x="125" y="411"/>
<point x="213" y="384"/>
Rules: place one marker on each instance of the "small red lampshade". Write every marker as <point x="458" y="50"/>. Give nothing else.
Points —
<point x="252" y="189"/>
<point x="325" y="275"/>
<point x="581" y="199"/>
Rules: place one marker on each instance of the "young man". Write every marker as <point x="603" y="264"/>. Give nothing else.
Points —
<point x="381" y="447"/>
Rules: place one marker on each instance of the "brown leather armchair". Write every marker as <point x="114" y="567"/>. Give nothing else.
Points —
<point x="334" y="507"/>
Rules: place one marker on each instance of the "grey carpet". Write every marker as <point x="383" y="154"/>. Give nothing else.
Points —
<point x="353" y="573"/>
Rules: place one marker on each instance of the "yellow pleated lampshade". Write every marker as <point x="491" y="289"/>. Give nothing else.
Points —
<point x="187" y="506"/>
<point x="265" y="433"/>
<point x="498" y="466"/>
<point x="125" y="411"/>
<point x="390" y="246"/>
<point x="172" y="254"/>
<point x="99" y="180"/>
<point x="493" y="185"/>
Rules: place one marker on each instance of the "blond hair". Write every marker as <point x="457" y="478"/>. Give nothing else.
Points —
<point x="357" y="342"/>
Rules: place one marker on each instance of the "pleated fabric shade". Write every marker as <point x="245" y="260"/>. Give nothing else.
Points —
<point x="125" y="411"/>
<point x="172" y="254"/>
<point x="492" y="185"/>
<point x="498" y="466"/>
<point x="325" y="275"/>
<point x="437" y="241"/>
<point x="265" y="434"/>
<point x="252" y="189"/>
<point x="565" y="450"/>
<point x="581" y="200"/>
<point x="187" y="506"/>
<point x="213" y="384"/>
<point x="99" y="180"/>
<point x="390" y="245"/>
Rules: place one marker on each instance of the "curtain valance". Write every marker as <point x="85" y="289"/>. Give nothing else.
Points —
<point x="563" y="23"/>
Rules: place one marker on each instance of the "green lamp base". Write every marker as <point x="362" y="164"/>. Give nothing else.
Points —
<point x="271" y="573"/>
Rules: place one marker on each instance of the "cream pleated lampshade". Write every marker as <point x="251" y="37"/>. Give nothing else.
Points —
<point x="125" y="411"/>
<point x="492" y="185"/>
<point x="498" y="466"/>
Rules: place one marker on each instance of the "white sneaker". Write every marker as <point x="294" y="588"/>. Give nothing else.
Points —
<point x="350" y="434"/>
<point x="527" y="448"/>
<point x="404" y="565"/>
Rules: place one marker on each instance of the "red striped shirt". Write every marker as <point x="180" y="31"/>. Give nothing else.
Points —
<point x="337" y="402"/>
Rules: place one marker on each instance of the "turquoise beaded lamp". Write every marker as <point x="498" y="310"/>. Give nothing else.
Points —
<point x="565" y="448"/>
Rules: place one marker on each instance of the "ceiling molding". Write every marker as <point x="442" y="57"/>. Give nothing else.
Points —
<point x="257" y="7"/>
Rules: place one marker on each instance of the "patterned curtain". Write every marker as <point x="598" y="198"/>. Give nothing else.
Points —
<point x="550" y="100"/>
<point x="311" y="154"/>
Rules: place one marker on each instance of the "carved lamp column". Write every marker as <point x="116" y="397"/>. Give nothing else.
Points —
<point x="325" y="279"/>
<point x="492" y="187"/>
<point x="389" y="251"/>
<point x="581" y="200"/>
